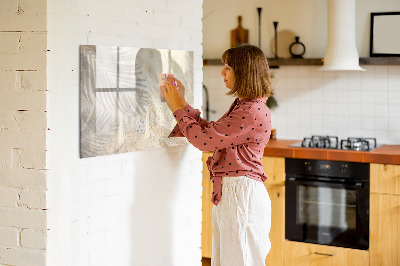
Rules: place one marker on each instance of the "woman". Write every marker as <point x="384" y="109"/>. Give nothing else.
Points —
<point x="242" y="208"/>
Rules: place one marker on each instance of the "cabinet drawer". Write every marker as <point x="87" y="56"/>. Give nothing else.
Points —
<point x="304" y="254"/>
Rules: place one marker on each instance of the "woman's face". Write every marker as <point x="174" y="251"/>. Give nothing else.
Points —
<point x="229" y="76"/>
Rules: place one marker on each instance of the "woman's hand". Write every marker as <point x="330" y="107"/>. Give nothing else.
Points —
<point x="181" y="92"/>
<point x="172" y="95"/>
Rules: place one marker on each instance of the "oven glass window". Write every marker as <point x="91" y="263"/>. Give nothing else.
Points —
<point x="326" y="207"/>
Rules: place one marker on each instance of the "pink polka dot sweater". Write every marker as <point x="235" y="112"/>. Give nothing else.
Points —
<point x="238" y="139"/>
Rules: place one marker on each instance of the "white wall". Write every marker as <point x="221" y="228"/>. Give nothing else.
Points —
<point x="140" y="208"/>
<point x="23" y="133"/>
<point x="311" y="102"/>
<point x="306" y="19"/>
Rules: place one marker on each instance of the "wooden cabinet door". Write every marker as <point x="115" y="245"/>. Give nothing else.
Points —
<point x="384" y="237"/>
<point x="385" y="178"/>
<point x="304" y="254"/>
<point x="277" y="233"/>
<point x="206" y="226"/>
<point x="274" y="168"/>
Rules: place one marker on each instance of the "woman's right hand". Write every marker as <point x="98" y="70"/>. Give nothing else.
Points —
<point x="181" y="92"/>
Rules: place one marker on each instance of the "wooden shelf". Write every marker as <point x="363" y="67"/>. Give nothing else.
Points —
<point x="380" y="61"/>
<point x="274" y="63"/>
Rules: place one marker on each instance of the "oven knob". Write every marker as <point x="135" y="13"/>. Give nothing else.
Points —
<point x="308" y="166"/>
<point x="343" y="168"/>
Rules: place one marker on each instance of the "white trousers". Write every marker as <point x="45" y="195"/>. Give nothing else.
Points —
<point x="241" y="223"/>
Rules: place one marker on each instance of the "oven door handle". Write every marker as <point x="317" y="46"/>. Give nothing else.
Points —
<point x="357" y="185"/>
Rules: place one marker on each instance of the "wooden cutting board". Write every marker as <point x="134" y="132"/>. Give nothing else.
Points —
<point x="239" y="35"/>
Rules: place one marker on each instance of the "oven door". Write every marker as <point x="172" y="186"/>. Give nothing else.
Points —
<point x="327" y="213"/>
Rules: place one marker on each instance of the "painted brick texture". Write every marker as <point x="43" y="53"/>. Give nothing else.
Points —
<point x="138" y="208"/>
<point x="23" y="132"/>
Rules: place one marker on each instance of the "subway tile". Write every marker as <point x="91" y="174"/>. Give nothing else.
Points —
<point x="329" y="109"/>
<point x="367" y="82"/>
<point x="381" y="123"/>
<point x="329" y="94"/>
<point x="380" y="84"/>
<point x="380" y="71"/>
<point x="394" y="137"/>
<point x="355" y="96"/>
<point x="329" y="122"/>
<point x="304" y="72"/>
<point x="317" y="107"/>
<point x="381" y="110"/>
<point x="382" y="136"/>
<point x="394" y="71"/>
<point x="354" y="82"/>
<point x="304" y="82"/>
<point x="316" y="72"/>
<point x="394" y="110"/>
<point x="381" y="97"/>
<point x="355" y="109"/>
<point x="367" y="133"/>
<point x="367" y="122"/>
<point x="342" y="96"/>
<point x="367" y="96"/>
<point x="291" y="71"/>
<point x="355" y="132"/>
<point x="342" y="122"/>
<point x="355" y="122"/>
<point x="394" y="123"/>
<point x="342" y="109"/>
<point x="292" y="82"/>
<point x="394" y="97"/>
<point x="394" y="83"/>
<point x="367" y="110"/>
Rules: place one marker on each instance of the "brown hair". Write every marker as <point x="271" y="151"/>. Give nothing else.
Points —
<point x="250" y="66"/>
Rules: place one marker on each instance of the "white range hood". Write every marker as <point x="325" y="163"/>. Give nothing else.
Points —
<point x="341" y="51"/>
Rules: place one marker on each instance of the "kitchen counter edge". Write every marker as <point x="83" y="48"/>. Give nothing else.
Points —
<point x="385" y="154"/>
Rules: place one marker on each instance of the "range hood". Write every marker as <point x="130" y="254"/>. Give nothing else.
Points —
<point x="341" y="51"/>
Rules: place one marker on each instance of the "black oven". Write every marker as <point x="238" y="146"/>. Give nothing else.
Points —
<point x="327" y="202"/>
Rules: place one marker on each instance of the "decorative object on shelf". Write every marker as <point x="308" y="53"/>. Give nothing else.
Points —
<point x="383" y="40"/>
<point x="276" y="38"/>
<point x="259" y="9"/>
<point x="271" y="102"/>
<point x="239" y="35"/>
<point x="297" y="49"/>
<point x="285" y="39"/>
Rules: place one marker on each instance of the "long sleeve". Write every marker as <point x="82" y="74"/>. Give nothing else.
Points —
<point x="193" y="113"/>
<point x="231" y="130"/>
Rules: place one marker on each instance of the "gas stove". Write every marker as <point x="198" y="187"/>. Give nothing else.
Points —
<point x="332" y="142"/>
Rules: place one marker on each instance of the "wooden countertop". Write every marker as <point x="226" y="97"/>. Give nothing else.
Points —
<point x="389" y="154"/>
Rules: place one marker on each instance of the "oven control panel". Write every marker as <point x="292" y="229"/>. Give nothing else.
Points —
<point x="337" y="169"/>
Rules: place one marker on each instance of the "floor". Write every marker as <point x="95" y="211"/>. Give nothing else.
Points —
<point x="206" y="261"/>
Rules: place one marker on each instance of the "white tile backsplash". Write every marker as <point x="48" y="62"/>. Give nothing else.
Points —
<point x="343" y="103"/>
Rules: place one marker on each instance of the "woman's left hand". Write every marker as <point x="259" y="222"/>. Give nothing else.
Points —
<point x="171" y="95"/>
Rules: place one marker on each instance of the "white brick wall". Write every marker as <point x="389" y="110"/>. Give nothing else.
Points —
<point x="141" y="208"/>
<point x="22" y="132"/>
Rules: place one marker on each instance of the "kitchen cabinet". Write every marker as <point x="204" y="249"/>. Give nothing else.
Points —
<point x="385" y="178"/>
<point x="385" y="214"/>
<point x="274" y="168"/>
<point x="305" y="254"/>
<point x="206" y="225"/>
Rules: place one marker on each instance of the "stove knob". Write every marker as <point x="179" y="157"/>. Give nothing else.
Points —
<point x="308" y="166"/>
<point x="343" y="168"/>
